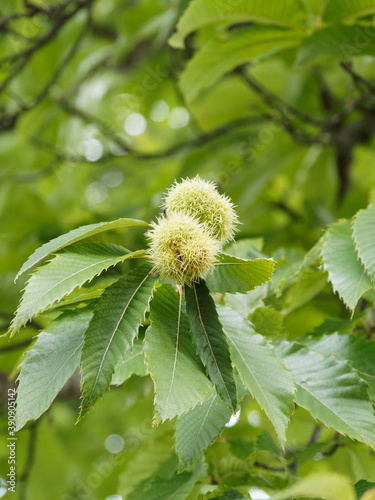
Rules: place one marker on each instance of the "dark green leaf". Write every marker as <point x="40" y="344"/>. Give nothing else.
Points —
<point x="179" y="377"/>
<point x="362" y="486"/>
<point x="112" y="330"/>
<point x="211" y="342"/>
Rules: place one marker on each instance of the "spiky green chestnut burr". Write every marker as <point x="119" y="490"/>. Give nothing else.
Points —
<point x="181" y="248"/>
<point x="201" y="200"/>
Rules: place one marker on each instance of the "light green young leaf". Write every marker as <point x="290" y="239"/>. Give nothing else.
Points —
<point x="112" y="330"/>
<point x="267" y="321"/>
<point x="70" y="269"/>
<point x="225" y="493"/>
<point x="345" y="272"/>
<point x="175" y="487"/>
<point x="339" y="42"/>
<point x="49" y="364"/>
<point x="218" y="57"/>
<point x="200" y="13"/>
<point x="151" y="454"/>
<point x="340" y="11"/>
<point x="364" y="238"/>
<point x="199" y="428"/>
<point x="235" y="275"/>
<point x="74" y="236"/>
<point x="327" y="485"/>
<point x="261" y="370"/>
<point x="211" y="341"/>
<point x="179" y="377"/>
<point x="358" y="351"/>
<point x="132" y="364"/>
<point x="331" y="392"/>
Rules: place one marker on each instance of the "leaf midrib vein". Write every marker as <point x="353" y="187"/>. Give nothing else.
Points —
<point x="112" y="336"/>
<point x="209" y="343"/>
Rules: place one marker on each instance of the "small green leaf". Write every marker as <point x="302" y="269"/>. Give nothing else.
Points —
<point x="265" y="442"/>
<point x="112" y="330"/>
<point x="211" y="342"/>
<point x="179" y="377"/>
<point x="261" y="369"/>
<point x="331" y="392"/>
<point x="223" y="494"/>
<point x="364" y="238"/>
<point x="200" y="13"/>
<point x="174" y="487"/>
<point x="132" y="364"/>
<point x="199" y="428"/>
<point x="70" y="269"/>
<point x="267" y="321"/>
<point x="345" y="272"/>
<point x="49" y="364"/>
<point x="218" y="57"/>
<point x="151" y="454"/>
<point x="328" y="485"/>
<point x="235" y="275"/>
<point x="74" y="236"/>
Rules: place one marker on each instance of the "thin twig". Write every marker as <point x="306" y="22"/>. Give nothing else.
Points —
<point x="269" y="468"/>
<point x="30" y="459"/>
<point x="358" y="80"/>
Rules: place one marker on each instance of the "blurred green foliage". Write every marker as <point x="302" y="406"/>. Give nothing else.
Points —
<point x="98" y="115"/>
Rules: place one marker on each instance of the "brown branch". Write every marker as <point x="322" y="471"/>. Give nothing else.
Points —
<point x="315" y="435"/>
<point x="33" y="10"/>
<point x="284" y="112"/>
<point x="274" y="101"/>
<point x="26" y="55"/>
<point x="8" y="121"/>
<point x="358" y="80"/>
<point x="269" y="468"/>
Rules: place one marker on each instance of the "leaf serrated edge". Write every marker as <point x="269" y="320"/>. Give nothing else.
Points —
<point x="354" y="372"/>
<point x="356" y="244"/>
<point x="26" y="265"/>
<point x="282" y="443"/>
<point x="324" y="237"/>
<point x="156" y="418"/>
<point x="184" y="464"/>
<point x="86" y="411"/>
<point x="11" y="331"/>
